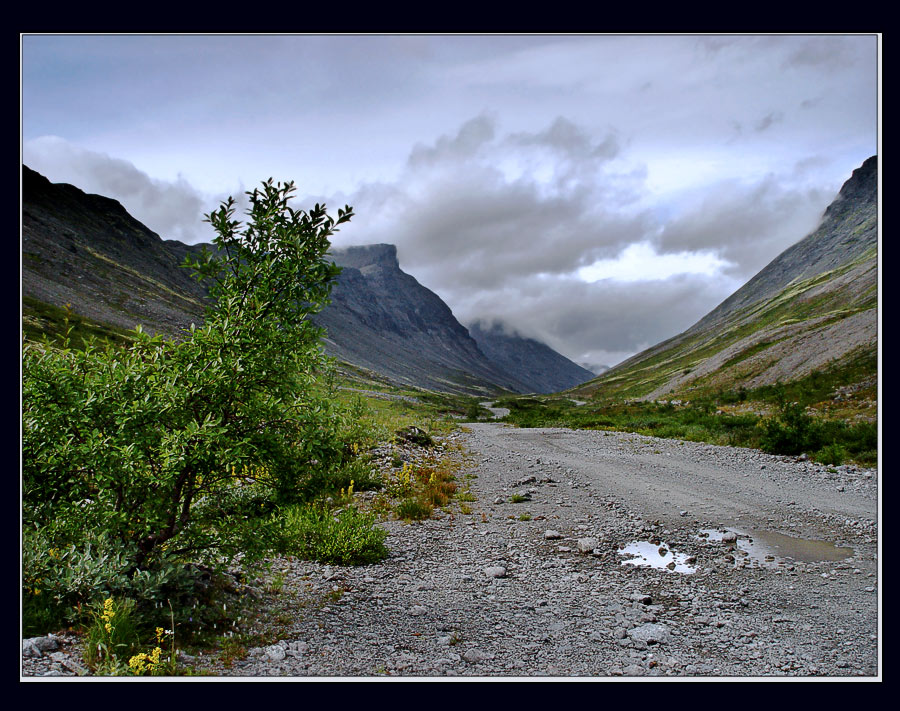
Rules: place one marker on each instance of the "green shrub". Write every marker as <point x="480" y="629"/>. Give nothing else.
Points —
<point x="832" y="453"/>
<point x="474" y="412"/>
<point x="59" y="583"/>
<point x="175" y="452"/>
<point x="351" y="538"/>
<point x="792" y="431"/>
<point x="359" y="471"/>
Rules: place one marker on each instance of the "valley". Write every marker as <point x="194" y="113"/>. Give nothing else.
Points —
<point x="766" y="563"/>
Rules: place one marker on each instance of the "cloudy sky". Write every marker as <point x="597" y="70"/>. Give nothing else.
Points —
<point x="600" y="193"/>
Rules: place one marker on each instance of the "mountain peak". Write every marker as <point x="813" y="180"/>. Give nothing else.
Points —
<point x="861" y="188"/>
<point x="366" y="255"/>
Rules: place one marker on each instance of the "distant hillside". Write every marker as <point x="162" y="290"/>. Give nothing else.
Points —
<point x="545" y="370"/>
<point x="813" y="307"/>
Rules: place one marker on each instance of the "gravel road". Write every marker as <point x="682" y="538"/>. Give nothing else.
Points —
<point x="543" y="587"/>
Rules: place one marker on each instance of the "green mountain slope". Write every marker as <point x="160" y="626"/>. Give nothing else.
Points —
<point x="813" y="308"/>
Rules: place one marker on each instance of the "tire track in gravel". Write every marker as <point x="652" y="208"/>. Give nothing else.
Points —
<point x="661" y="478"/>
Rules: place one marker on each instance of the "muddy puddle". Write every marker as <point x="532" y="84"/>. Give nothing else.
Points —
<point x="656" y="555"/>
<point x="771" y="549"/>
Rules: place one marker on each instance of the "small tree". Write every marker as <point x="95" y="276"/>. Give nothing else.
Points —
<point x="176" y="450"/>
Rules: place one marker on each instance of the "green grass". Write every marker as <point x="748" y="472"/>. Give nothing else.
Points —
<point x="40" y="319"/>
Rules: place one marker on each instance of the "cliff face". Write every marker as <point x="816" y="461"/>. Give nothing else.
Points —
<point x="382" y="319"/>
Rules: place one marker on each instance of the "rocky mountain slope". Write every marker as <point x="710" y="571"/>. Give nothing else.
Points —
<point x="87" y="251"/>
<point x="813" y="307"/>
<point x="382" y="319"/>
<point x="547" y="371"/>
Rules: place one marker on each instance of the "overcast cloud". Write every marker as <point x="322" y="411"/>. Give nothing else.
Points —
<point x="522" y="178"/>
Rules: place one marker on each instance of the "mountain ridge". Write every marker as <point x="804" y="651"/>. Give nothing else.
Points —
<point x="87" y="251"/>
<point x="547" y="370"/>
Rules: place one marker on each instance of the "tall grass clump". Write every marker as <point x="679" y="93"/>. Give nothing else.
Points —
<point x="349" y="538"/>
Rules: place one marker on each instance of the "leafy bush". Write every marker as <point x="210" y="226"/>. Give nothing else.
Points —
<point x="832" y="453"/>
<point x="175" y="452"/>
<point x="792" y="431"/>
<point x="475" y="412"/>
<point x="358" y="470"/>
<point x="351" y="538"/>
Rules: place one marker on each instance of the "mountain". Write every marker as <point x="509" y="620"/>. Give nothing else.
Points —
<point x="382" y="319"/>
<point x="813" y="307"/>
<point x="87" y="251"/>
<point x="544" y="369"/>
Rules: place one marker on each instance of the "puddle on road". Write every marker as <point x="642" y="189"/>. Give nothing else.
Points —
<point x="655" y="555"/>
<point x="771" y="549"/>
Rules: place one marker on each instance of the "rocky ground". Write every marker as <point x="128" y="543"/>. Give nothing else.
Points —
<point x="534" y="581"/>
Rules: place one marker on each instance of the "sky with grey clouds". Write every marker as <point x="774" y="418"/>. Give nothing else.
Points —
<point x="600" y="193"/>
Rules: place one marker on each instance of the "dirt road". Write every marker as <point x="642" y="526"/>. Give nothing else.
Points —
<point x="661" y="478"/>
<point x="534" y="578"/>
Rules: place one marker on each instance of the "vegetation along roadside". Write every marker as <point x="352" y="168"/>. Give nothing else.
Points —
<point x="808" y="416"/>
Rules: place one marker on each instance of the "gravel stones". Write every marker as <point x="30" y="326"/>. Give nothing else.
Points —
<point x="587" y="545"/>
<point x="37" y="646"/>
<point x="475" y="656"/>
<point x="275" y="653"/>
<point x="650" y="633"/>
